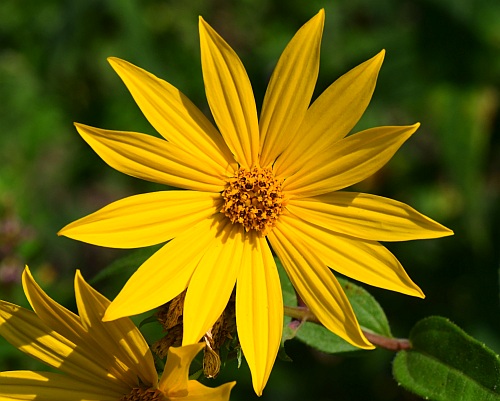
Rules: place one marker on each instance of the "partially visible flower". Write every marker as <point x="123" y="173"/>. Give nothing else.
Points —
<point x="100" y="361"/>
<point x="252" y="185"/>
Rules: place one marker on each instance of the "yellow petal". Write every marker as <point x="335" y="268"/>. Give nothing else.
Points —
<point x="165" y="274"/>
<point x="119" y="340"/>
<point x="213" y="281"/>
<point x="366" y="216"/>
<point x="56" y="316"/>
<point x="174" y="380"/>
<point x="45" y="386"/>
<point x="332" y="116"/>
<point x="230" y="96"/>
<point x="25" y="331"/>
<point x="259" y="311"/>
<point x="199" y="392"/>
<point x="350" y="161"/>
<point x="317" y="286"/>
<point x="153" y="159"/>
<point x="173" y="115"/>
<point x="70" y="326"/>
<point x="290" y="90"/>
<point x="362" y="260"/>
<point x="144" y="220"/>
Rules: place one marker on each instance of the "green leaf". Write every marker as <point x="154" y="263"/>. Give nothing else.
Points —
<point x="290" y="299"/>
<point x="446" y="364"/>
<point x="369" y="313"/>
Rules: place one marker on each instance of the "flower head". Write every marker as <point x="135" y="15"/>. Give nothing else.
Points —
<point x="100" y="361"/>
<point x="253" y="185"/>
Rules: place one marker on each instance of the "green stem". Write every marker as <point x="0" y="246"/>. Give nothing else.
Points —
<point x="303" y="314"/>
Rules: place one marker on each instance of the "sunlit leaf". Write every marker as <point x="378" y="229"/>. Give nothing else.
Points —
<point x="446" y="364"/>
<point x="369" y="313"/>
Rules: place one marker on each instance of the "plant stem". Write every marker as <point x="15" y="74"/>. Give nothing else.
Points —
<point x="302" y="314"/>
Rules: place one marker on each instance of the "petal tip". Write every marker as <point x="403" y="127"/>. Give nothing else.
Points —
<point x="114" y="61"/>
<point x="416" y="292"/>
<point x="110" y="314"/>
<point x="379" y="58"/>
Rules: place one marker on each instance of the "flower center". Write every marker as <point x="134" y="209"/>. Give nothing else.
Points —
<point x="253" y="198"/>
<point x="144" y="394"/>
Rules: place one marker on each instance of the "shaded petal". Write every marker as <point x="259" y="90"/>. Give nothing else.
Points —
<point x="56" y="316"/>
<point x="230" y="96"/>
<point x="199" y="392"/>
<point x="350" y="161"/>
<point x="173" y="115"/>
<point x="259" y="310"/>
<point x="366" y="216"/>
<point x="119" y="340"/>
<point x="25" y="331"/>
<point x="145" y="219"/>
<point x="165" y="274"/>
<point x="317" y="286"/>
<point x="213" y="280"/>
<point x="332" y="116"/>
<point x="70" y="326"/>
<point x="45" y="386"/>
<point x="362" y="260"/>
<point x="290" y="90"/>
<point x="174" y="380"/>
<point x="153" y="159"/>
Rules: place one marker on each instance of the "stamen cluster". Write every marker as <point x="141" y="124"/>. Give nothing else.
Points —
<point x="144" y="394"/>
<point x="253" y="198"/>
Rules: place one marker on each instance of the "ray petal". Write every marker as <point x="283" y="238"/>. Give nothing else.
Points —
<point x="70" y="326"/>
<point x="45" y="386"/>
<point x="230" y="96"/>
<point x="348" y="162"/>
<point x="259" y="310"/>
<point x="120" y="339"/>
<point x="213" y="281"/>
<point x="153" y="159"/>
<point x="174" y="380"/>
<point x="317" y="286"/>
<point x="362" y="260"/>
<point x="144" y="220"/>
<point x="290" y="90"/>
<point x="199" y="392"/>
<point x="366" y="216"/>
<point x="165" y="274"/>
<point x="173" y="115"/>
<point x="25" y="331"/>
<point x="332" y="115"/>
<point x="50" y="312"/>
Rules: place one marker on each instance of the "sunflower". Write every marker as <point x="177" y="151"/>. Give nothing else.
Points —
<point x="100" y="361"/>
<point x="250" y="187"/>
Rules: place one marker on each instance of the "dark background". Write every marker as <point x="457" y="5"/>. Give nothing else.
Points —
<point x="442" y="69"/>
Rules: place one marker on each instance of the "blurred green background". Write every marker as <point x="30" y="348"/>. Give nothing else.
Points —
<point x="442" y="68"/>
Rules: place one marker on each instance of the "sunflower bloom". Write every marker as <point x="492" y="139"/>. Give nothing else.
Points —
<point x="251" y="186"/>
<point x="100" y="361"/>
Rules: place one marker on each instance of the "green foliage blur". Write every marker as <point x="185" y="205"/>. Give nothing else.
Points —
<point x="442" y="69"/>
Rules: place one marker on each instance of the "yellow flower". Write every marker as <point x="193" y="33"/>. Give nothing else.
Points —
<point x="252" y="186"/>
<point x="101" y="361"/>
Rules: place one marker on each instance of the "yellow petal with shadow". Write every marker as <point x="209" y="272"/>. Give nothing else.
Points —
<point x="259" y="310"/>
<point x="145" y="219"/>
<point x="230" y="96"/>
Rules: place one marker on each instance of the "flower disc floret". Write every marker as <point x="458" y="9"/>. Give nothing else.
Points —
<point x="253" y="198"/>
<point x="144" y="394"/>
